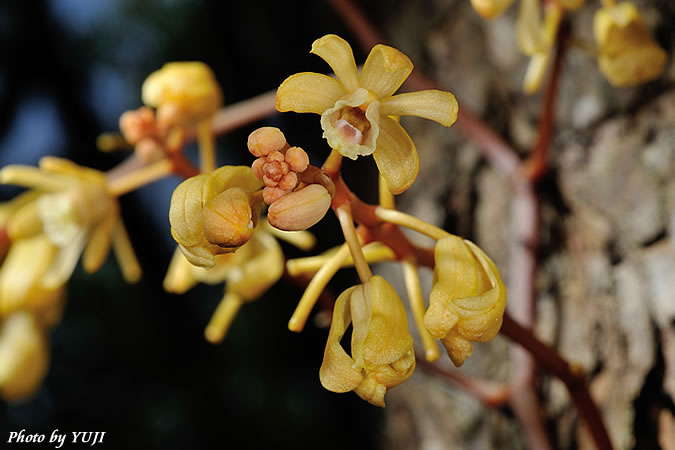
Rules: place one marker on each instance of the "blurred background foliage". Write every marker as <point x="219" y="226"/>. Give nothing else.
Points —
<point x="132" y="360"/>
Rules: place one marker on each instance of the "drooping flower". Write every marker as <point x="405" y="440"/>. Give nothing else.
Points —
<point x="467" y="300"/>
<point x="357" y="109"/>
<point x="628" y="55"/>
<point x="247" y="274"/>
<point x="215" y="213"/>
<point x="382" y="354"/>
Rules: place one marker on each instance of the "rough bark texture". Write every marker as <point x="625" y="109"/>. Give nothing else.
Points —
<point x="607" y="256"/>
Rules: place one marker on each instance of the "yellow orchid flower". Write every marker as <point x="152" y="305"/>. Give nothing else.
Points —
<point x="356" y="110"/>
<point x="247" y="274"/>
<point x="467" y="300"/>
<point x="24" y="356"/>
<point x="382" y="354"/>
<point x="76" y="213"/>
<point x="628" y="55"/>
<point x="215" y="213"/>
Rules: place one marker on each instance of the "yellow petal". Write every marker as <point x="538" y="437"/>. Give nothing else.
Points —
<point x="98" y="247"/>
<point x="24" y="356"/>
<point x="338" y="54"/>
<point x="124" y="252"/>
<point x="254" y="276"/>
<point x="535" y="72"/>
<point x="26" y="263"/>
<point x="62" y="166"/>
<point x="396" y="156"/>
<point x="308" y="92"/>
<point x="529" y="29"/>
<point x="65" y="261"/>
<point x="337" y="373"/>
<point x="385" y="70"/>
<point x="439" y="106"/>
<point x="32" y="177"/>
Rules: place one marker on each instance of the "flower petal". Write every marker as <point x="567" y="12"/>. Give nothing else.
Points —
<point x="337" y="372"/>
<point x="385" y="70"/>
<point x="439" y="106"/>
<point x="396" y="156"/>
<point x="308" y="92"/>
<point x="338" y="54"/>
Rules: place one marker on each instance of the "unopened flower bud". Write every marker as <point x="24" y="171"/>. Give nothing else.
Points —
<point x="204" y="229"/>
<point x="301" y="209"/>
<point x="227" y="218"/>
<point x="182" y="92"/>
<point x="297" y="159"/>
<point x="489" y="9"/>
<point x="468" y="299"/>
<point x="266" y="140"/>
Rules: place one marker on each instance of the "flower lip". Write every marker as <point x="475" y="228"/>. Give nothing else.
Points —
<point x="352" y="125"/>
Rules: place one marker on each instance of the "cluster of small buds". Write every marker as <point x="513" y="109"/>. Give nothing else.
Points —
<point x="298" y="193"/>
<point x="139" y="128"/>
<point x="278" y="164"/>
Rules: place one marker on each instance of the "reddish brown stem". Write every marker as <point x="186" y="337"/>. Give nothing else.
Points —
<point x="491" y="393"/>
<point x="537" y="164"/>
<point x="573" y="377"/>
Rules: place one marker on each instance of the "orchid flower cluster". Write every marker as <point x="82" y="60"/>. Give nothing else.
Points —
<point x="227" y="221"/>
<point x="216" y="215"/>
<point x="627" y="54"/>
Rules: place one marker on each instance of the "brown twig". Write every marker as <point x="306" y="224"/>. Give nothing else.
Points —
<point x="573" y="377"/>
<point x="491" y="393"/>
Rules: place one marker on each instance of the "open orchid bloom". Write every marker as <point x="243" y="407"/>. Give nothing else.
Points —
<point x="215" y="213"/>
<point x="76" y="213"/>
<point x="628" y="55"/>
<point x="357" y="109"/>
<point x="467" y="300"/>
<point x="382" y="353"/>
<point x="183" y="93"/>
<point x="24" y="356"/>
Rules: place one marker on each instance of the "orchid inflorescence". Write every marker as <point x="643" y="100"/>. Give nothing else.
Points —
<point x="226" y="220"/>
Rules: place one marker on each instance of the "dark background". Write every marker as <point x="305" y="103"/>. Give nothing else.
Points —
<point x="132" y="360"/>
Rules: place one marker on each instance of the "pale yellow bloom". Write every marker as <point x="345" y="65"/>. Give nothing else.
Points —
<point x="628" y="55"/>
<point x="183" y="93"/>
<point x="382" y="354"/>
<point x="215" y="213"/>
<point x="76" y="213"/>
<point x="467" y="300"/>
<point x="357" y="109"/>
<point x="24" y="356"/>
